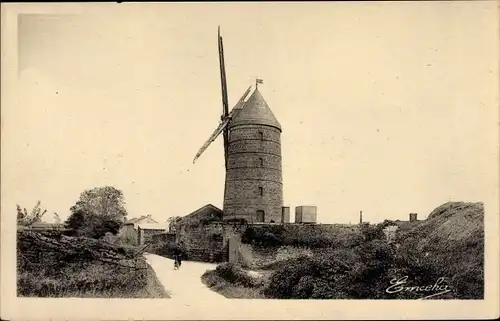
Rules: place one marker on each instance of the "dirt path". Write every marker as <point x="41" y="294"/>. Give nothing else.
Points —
<point x="183" y="284"/>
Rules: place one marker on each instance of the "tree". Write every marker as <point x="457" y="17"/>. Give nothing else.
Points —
<point x="57" y="219"/>
<point x="76" y="221"/>
<point x="82" y="223"/>
<point x="98" y="211"/>
<point x="107" y="202"/>
<point x="172" y="221"/>
<point x="35" y="216"/>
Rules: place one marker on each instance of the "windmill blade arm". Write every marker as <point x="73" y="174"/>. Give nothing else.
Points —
<point x="215" y="134"/>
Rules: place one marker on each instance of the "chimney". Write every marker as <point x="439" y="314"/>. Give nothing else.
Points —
<point x="360" y="217"/>
<point x="413" y="217"/>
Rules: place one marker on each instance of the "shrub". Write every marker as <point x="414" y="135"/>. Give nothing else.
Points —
<point x="314" y="236"/>
<point x="235" y="275"/>
<point x="81" y="223"/>
<point x="229" y="290"/>
<point x="341" y="274"/>
<point x="54" y="265"/>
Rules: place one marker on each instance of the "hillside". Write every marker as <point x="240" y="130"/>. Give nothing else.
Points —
<point x="50" y="264"/>
<point x="360" y="263"/>
<point x="451" y="242"/>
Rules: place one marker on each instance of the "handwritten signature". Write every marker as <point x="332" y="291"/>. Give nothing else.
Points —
<point x="399" y="285"/>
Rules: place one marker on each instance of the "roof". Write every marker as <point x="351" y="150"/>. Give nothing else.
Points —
<point x="146" y="226"/>
<point x="44" y="226"/>
<point x="255" y="111"/>
<point x="144" y="219"/>
<point x="202" y="209"/>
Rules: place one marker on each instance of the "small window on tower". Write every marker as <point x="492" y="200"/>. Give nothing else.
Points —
<point x="261" y="191"/>
<point x="261" y="162"/>
<point x="261" y="135"/>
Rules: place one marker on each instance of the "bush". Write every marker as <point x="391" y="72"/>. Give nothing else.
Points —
<point x="449" y="244"/>
<point x="93" y="279"/>
<point x="356" y="273"/>
<point x="300" y="236"/>
<point x="54" y="265"/>
<point x="81" y="223"/>
<point x="229" y="290"/>
<point x="235" y="275"/>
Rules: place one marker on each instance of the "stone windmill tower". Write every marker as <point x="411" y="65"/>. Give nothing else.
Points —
<point x="252" y="149"/>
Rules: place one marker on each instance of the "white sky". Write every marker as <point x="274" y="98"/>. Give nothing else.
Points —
<point x="389" y="108"/>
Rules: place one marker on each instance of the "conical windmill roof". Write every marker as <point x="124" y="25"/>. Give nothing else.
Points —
<point x="255" y="111"/>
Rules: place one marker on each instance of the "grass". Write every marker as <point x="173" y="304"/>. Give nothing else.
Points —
<point x="55" y="273"/>
<point x="360" y="264"/>
<point x="96" y="280"/>
<point x="233" y="282"/>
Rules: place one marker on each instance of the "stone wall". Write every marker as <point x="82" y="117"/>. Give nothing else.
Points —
<point x="256" y="257"/>
<point x="218" y="242"/>
<point x="202" y="242"/>
<point x="163" y="237"/>
<point x="146" y="235"/>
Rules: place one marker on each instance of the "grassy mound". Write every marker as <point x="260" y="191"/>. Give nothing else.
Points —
<point x="55" y="265"/>
<point x="233" y="282"/>
<point x="449" y="244"/>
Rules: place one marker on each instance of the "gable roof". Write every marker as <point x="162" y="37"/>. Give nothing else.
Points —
<point x="202" y="209"/>
<point x="143" y="219"/>
<point x="254" y="111"/>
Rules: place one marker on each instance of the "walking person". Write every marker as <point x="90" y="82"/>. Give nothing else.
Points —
<point x="176" y="262"/>
<point x="179" y="259"/>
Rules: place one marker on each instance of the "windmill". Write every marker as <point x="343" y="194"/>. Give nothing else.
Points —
<point x="253" y="188"/>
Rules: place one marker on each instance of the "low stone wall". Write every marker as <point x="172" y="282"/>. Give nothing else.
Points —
<point x="209" y="242"/>
<point x="202" y="242"/>
<point x="206" y="255"/>
<point x="163" y="237"/>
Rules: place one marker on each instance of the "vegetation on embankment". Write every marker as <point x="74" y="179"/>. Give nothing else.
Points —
<point x="360" y="264"/>
<point x="51" y="264"/>
<point x="233" y="282"/>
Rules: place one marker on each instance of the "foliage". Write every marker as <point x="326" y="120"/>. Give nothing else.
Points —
<point x="232" y="281"/>
<point x="234" y="274"/>
<point x="57" y="219"/>
<point x="54" y="265"/>
<point x="371" y="232"/>
<point x="273" y="236"/>
<point x="82" y="223"/>
<point x="172" y="222"/>
<point x="125" y="237"/>
<point x="35" y="216"/>
<point x="107" y="202"/>
<point x="93" y="279"/>
<point x="340" y="274"/>
<point x="230" y="290"/>
<point x="97" y="212"/>
<point x="449" y="244"/>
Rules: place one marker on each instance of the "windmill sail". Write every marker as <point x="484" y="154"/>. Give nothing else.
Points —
<point x="225" y="103"/>
<point x="216" y="133"/>
<point x="222" y="125"/>
<point x="226" y="115"/>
